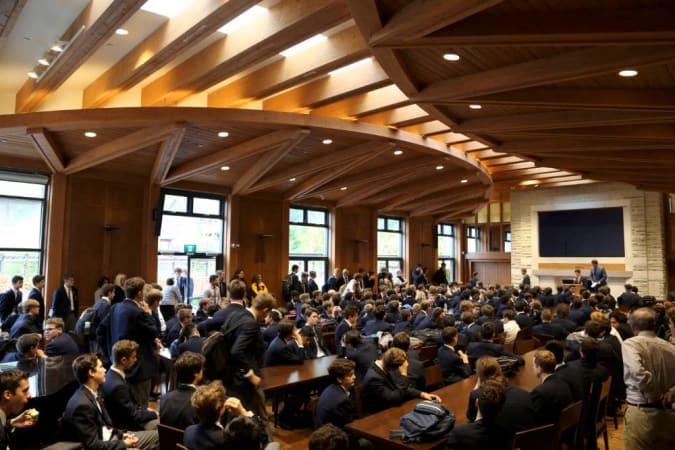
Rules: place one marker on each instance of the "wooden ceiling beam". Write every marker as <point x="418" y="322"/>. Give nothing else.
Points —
<point x="396" y="116"/>
<point x="561" y="119"/>
<point x="483" y="154"/>
<point x="367" y="191"/>
<point x="377" y="100"/>
<point x="49" y="151"/>
<point x="422" y="17"/>
<point x="625" y="26"/>
<point x="519" y="174"/>
<point x="307" y="187"/>
<point x="630" y="157"/>
<point x="231" y="154"/>
<point x="285" y="24"/>
<point x="429" y="128"/>
<point x="574" y="144"/>
<point x="472" y="200"/>
<point x="97" y="30"/>
<point x="166" y="154"/>
<point x="330" y="88"/>
<point x="568" y="66"/>
<point x="121" y="146"/>
<point x="453" y="138"/>
<point x="425" y="198"/>
<point x="600" y="164"/>
<point x="337" y="51"/>
<point x="646" y="132"/>
<point x="511" y="167"/>
<point x="643" y="99"/>
<point x="176" y="35"/>
<point x="500" y="160"/>
<point x="265" y="163"/>
<point x="553" y="173"/>
<point x="470" y="146"/>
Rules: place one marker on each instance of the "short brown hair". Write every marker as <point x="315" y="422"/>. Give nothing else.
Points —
<point x="264" y="301"/>
<point x="545" y="360"/>
<point x="11" y="379"/>
<point x="152" y="296"/>
<point x="28" y="341"/>
<point x="487" y="368"/>
<point x="26" y="305"/>
<point x="133" y="286"/>
<point x="83" y="364"/>
<point x="394" y="358"/>
<point x="207" y="402"/>
<point x="187" y="365"/>
<point x="340" y="368"/>
<point x="123" y="349"/>
<point x="328" y="437"/>
<point x="56" y="321"/>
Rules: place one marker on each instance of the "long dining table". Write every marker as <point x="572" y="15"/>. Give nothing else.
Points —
<point x="377" y="427"/>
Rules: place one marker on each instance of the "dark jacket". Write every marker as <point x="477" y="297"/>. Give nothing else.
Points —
<point x="83" y="422"/>
<point x="551" y="329"/>
<point x="373" y="326"/>
<point x="246" y="347"/>
<point x="204" y="437"/>
<point x="334" y="406"/>
<point x="516" y="415"/>
<point x="487" y="348"/>
<point x="550" y="398"/>
<point x="8" y="303"/>
<point x="452" y="367"/>
<point x="175" y="408"/>
<point x="62" y="345"/>
<point x="363" y="357"/>
<point x="26" y="323"/>
<point x="61" y="303"/>
<point x="574" y="377"/>
<point x="341" y="329"/>
<point x="476" y="436"/>
<point x="192" y="344"/>
<point x="36" y="294"/>
<point x="125" y="413"/>
<point x="403" y="325"/>
<point x="381" y="390"/>
<point x="281" y="353"/>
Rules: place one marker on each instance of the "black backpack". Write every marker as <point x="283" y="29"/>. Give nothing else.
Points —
<point x="427" y="422"/>
<point x="216" y="350"/>
<point x="84" y="327"/>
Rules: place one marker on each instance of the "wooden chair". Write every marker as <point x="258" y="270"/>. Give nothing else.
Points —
<point x="601" y="412"/>
<point x="329" y="339"/>
<point x="524" y="342"/>
<point x="428" y="353"/>
<point x="169" y="437"/>
<point x="533" y="438"/>
<point x="569" y="419"/>
<point x="543" y="338"/>
<point x="433" y="376"/>
<point x="358" y="402"/>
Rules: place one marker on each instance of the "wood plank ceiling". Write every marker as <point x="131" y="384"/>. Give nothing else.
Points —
<point x="373" y="76"/>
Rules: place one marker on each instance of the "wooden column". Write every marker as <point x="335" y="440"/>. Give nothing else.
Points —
<point x="55" y="229"/>
<point x="148" y="254"/>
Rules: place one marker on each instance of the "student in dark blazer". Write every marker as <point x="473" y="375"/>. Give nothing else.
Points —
<point x="482" y="434"/>
<point x="11" y="299"/>
<point x="58" y="342"/>
<point x="378" y="323"/>
<point x="316" y="346"/>
<point x="85" y="417"/>
<point x="454" y="364"/>
<point x="383" y="389"/>
<point x="361" y="351"/>
<point x="416" y="374"/>
<point x="66" y="302"/>
<point x="485" y="347"/>
<point x="552" y="395"/>
<point x="27" y="348"/>
<point x="125" y="413"/>
<point x="522" y="318"/>
<point x="349" y="317"/>
<point x="175" y="408"/>
<point x="405" y="324"/>
<point x="546" y="327"/>
<point x="190" y="340"/>
<point x="335" y="404"/>
<point x="287" y="348"/>
<point x="28" y="321"/>
<point x="569" y="373"/>
<point x="272" y="330"/>
<point x="36" y="294"/>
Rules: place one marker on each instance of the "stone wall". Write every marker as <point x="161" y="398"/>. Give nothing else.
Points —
<point x="644" y="234"/>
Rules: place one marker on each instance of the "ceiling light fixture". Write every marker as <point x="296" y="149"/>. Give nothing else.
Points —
<point x="351" y="66"/>
<point x="327" y="141"/>
<point x="475" y="106"/>
<point x="90" y="134"/>
<point x="464" y="181"/>
<point x="46" y="62"/>
<point x="165" y="8"/>
<point x="225" y="168"/>
<point x="398" y="152"/>
<point x="343" y="188"/>
<point x="439" y="167"/>
<point x="121" y="32"/>
<point x="297" y="48"/>
<point x="32" y="75"/>
<point x="292" y="180"/>
<point x="43" y="61"/>
<point x="56" y="48"/>
<point x="451" y="57"/>
<point x="628" y="73"/>
<point x="223" y="134"/>
<point x="242" y="19"/>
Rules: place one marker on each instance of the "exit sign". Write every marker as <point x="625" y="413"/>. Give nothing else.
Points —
<point x="190" y="248"/>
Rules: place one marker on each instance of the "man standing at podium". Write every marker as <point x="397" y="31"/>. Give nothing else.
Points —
<point x="598" y="275"/>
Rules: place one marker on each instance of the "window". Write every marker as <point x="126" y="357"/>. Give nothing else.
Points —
<point x="390" y="243"/>
<point x="191" y="231"/>
<point x="507" y="241"/>
<point x="445" y="235"/>
<point x="472" y="239"/>
<point x="308" y="241"/>
<point x="22" y="217"/>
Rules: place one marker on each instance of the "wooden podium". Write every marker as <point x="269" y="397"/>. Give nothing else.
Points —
<point x="575" y="288"/>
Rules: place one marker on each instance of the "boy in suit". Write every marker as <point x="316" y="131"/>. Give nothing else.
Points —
<point x="454" y="364"/>
<point x="58" y="342"/>
<point x="175" y="408"/>
<point x="553" y="394"/>
<point x="335" y="404"/>
<point x="66" y="303"/>
<point x="86" y="419"/>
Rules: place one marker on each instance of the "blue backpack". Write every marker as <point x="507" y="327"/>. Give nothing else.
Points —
<point x="427" y="422"/>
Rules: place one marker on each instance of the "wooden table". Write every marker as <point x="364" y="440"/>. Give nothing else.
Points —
<point x="455" y="397"/>
<point x="284" y="377"/>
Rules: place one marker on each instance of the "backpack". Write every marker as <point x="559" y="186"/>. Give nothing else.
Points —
<point x="216" y="350"/>
<point x="509" y="365"/>
<point x="84" y="327"/>
<point x="427" y="422"/>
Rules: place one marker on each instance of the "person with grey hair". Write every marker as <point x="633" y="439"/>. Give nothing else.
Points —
<point x="648" y="363"/>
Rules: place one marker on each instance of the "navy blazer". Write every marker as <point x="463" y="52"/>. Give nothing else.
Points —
<point x="486" y="348"/>
<point x="192" y="344"/>
<point x="550" y="329"/>
<point x="204" y="437"/>
<point x="26" y="323"/>
<point x="363" y="357"/>
<point x="175" y="408"/>
<point x="373" y="326"/>
<point x="341" y="329"/>
<point x="83" y="422"/>
<point x="270" y="332"/>
<point x="418" y="319"/>
<point x="550" y="398"/>
<point x="516" y="415"/>
<point x="403" y="325"/>
<point x="381" y="390"/>
<point x="8" y="303"/>
<point x="281" y="353"/>
<point x="102" y="309"/>
<point x="476" y="436"/>
<point x="246" y="348"/>
<point x="62" y="345"/>
<point x="125" y="413"/>
<point x="574" y="377"/>
<point x="334" y="406"/>
<point x="128" y="321"/>
<point x="61" y="304"/>
<point x="36" y="294"/>
<point x="524" y="321"/>
<point x="452" y="366"/>
<point x="216" y="322"/>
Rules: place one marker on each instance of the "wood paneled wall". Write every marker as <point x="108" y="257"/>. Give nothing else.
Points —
<point x="423" y="247"/>
<point x="355" y="239"/>
<point x="492" y="267"/>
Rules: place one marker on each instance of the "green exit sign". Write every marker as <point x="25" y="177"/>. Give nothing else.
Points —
<point x="190" y="248"/>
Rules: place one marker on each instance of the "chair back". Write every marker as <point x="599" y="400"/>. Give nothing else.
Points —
<point x="358" y="401"/>
<point x="524" y="342"/>
<point x="428" y="352"/>
<point x="533" y="438"/>
<point x="601" y="411"/>
<point x="569" y="419"/>
<point x="543" y="338"/>
<point x="433" y="376"/>
<point x="169" y="437"/>
<point x="329" y="339"/>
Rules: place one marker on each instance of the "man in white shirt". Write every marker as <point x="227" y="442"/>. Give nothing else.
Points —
<point x="511" y="327"/>
<point x="212" y="293"/>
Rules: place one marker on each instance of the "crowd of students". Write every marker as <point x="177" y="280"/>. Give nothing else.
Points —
<point x="376" y="334"/>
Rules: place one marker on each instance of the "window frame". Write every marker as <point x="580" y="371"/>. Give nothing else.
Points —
<point x="305" y="259"/>
<point x="447" y="259"/>
<point x="473" y="232"/>
<point x="400" y="231"/>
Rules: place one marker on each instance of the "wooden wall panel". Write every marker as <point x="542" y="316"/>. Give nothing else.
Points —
<point x="355" y="238"/>
<point x="493" y="272"/>
<point x="422" y="244"/>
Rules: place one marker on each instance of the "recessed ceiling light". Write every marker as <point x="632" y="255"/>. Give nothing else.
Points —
<point x="242" y="19"/>
<point x="398" y="152"/>
<point x="439" y="167"/>
<point x="451" y="57"/>
<point x="627" y="73"/>
<point x="327" y="141"/>
<point x="351" y="66"/>
<point x="121" y="32"/>
<point x="165" y="8"/>
<point x="475" y="106"/>
<point x="43" y="62"/>
<point x="33" y="75"/>
<point x="225" y="168"/>
<point x="223" y="134"/>
<point x="464" y="180"/>
<point x="343" y="188"/>
<point x="292" y="179"/>
<point x="90" y="134"/>
<point x="57" y="48"/>
<point x="307" y="43"/>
